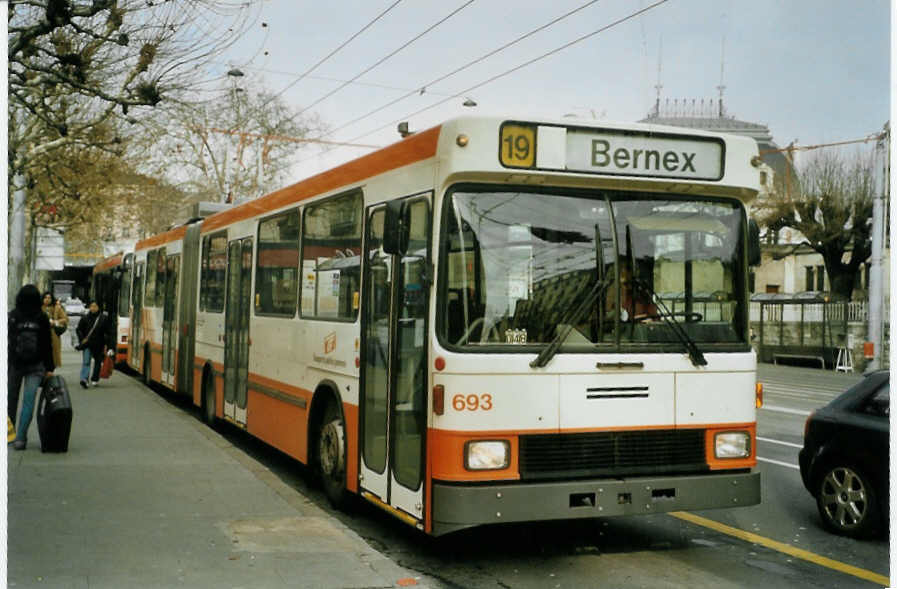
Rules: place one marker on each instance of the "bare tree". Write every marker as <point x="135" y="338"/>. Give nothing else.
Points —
<point x="830" y="204"/>
<point x="81" y="71"/>
<point x="241" y="144"/>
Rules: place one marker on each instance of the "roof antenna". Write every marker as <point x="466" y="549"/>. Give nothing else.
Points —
<point x="722" y="87"/>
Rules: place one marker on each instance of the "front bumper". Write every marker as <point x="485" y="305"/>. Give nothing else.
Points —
<point x="461" y="506"/>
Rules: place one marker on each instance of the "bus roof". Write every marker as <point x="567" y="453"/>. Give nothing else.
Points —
<point x="413" y="148"/>
<point x="734" y="172"/>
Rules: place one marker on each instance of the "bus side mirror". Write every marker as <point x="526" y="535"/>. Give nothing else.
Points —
<point x="753" y="243"/>
<point x="395" y="229"/>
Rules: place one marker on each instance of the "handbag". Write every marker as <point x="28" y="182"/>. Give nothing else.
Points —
<point x="60" y="329"/>
<point x="83" y="343"/>
<point x="107" y="367"/>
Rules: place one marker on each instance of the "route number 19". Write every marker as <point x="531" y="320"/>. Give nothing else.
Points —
<point x="518" y="146"/>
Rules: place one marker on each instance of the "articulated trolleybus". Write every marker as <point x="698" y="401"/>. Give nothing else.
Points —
<point x="488" y="321"/>
<point x="111" y="289"/>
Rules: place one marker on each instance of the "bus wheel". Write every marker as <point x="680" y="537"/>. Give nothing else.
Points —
<point x="208" y="400"/>
<point x="332" y="456"/>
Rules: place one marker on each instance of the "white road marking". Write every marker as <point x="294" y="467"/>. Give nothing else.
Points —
<point x="780" y="463"/>
<point x="785" y="410"/>
<point x="771" y="441"/>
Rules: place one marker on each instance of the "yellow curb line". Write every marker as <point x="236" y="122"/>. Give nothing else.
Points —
<point x="782" y="547"/>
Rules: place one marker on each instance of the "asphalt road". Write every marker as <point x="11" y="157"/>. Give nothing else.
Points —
<point x="779" y="543"/>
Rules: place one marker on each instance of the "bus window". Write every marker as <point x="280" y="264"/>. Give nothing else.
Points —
<point x="516" y="264"/>
<point x="149" y="298"/>
<point x="214" y="266"/>
<point x="160" y="279"/>
<point x="331" y="254"/>
<point x="124" y="293"/>
<point x="277" y="265"/>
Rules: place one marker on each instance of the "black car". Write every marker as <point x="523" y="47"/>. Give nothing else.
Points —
<point x="844" y="461"/>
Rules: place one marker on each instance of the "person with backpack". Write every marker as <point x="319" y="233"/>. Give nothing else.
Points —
<point x="95" y="332"/>
<point x="29" y="358"/>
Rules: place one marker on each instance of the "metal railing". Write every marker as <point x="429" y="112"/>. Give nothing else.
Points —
<point x="857" y="312"/>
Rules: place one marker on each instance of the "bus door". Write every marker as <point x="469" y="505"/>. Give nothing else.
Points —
<point x="394" y="365"/>
<point x="135" y="338"/>
<point x="170" y="319"/>
<point x="236" y="329"/>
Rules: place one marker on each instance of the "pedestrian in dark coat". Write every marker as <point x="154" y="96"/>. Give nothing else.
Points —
<point x="29" y="358"/>
<point x="96" y="337"/>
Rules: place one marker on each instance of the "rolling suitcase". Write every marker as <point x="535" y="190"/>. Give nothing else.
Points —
<point x="54" y="415"/>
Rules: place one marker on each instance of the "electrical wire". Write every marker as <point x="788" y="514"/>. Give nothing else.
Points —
<point x="497" y="76"/>
<point x="340" y="80"/>
<point x="867" y="139"/>
<point x="331" y="54"/>
<point x="464" y="67"/>
<point x="383" y="59"/>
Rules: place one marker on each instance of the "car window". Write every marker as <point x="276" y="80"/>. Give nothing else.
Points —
<point x="880" y="402"/>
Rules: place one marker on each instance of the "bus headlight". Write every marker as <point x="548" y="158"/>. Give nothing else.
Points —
<point x="732" y="445"/>
<point x="487" y="455"/>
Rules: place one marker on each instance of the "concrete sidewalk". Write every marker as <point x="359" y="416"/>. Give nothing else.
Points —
<point x="147" y="496"/>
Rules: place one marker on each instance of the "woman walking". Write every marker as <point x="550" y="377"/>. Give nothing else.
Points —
<point x="29" y="358"/>
<point x="59" y="321"/>
<point x="95" y="332"/>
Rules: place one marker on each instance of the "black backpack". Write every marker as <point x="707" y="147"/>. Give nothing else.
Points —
<point x="26" y="343"/>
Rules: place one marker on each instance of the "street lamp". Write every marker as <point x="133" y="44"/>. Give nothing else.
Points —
<point x="469" y="102"/>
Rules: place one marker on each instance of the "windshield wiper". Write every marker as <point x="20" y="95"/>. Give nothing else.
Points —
<point x="696" y="356"/>
<point x="566" y="324"/>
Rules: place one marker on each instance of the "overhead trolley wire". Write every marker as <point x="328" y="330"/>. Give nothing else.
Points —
<point x="519" y="67"/>
<point x="331" y="54"/>
<point x="331" y="79"/>
<point x="464" y="67"/>
<point x="382" y="59"/>
<point x="497" y="76"/>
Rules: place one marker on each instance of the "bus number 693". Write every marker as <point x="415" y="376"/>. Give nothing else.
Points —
<point x="472" y="402"/>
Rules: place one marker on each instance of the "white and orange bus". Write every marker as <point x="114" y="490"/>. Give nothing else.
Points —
<point x="489" y="321"/>
<point x="110" y="286"/>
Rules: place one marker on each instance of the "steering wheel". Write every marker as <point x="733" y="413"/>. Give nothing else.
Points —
<point x="489" y="333"/>
<point x="690" y="316"/>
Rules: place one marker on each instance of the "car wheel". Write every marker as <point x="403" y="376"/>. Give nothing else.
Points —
<point x="847" y="502"/>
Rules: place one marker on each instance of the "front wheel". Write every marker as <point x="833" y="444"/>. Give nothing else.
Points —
<point x="332" y="456"/>
<point x="847" y="502"/>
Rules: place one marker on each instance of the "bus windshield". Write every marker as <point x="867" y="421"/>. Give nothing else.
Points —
<point x="515" y="263"/>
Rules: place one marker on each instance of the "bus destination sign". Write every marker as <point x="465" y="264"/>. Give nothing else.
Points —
<point x="630" y="154"/>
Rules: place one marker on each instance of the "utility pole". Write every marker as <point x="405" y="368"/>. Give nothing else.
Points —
<point x="16" y="240"/>
<point x="881" y="169"/>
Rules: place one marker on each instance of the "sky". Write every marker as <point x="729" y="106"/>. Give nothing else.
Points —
<point x="814" y="71"/>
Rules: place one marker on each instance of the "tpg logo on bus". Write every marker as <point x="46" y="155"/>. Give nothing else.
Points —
<point x="664" y="156"/>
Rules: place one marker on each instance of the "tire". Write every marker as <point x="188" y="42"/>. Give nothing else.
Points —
<point x="331" y="455"/>
<point x="847" y="501"/>
<point x="208" y="400"/>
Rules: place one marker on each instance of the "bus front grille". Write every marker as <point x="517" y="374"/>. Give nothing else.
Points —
<point x="623" y="453"/>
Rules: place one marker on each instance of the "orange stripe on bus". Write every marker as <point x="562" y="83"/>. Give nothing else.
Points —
<point x="415" y="148"/>
<point x="729" y="463"/>
<point x="350" y="412"/>
<point x="447" y="449"/>
<point x="279" y="424"/>
<point x="282" y="387"/>
<point x="107" y="263"/>
<point x="169" y="236"/>
<point x="447" y="456"/>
